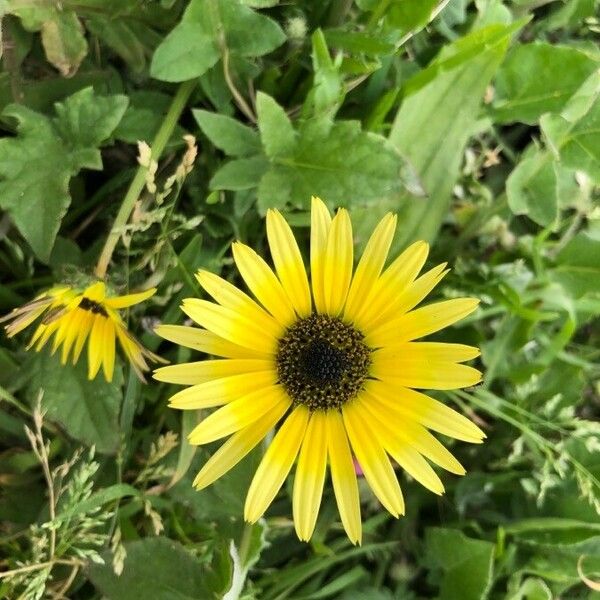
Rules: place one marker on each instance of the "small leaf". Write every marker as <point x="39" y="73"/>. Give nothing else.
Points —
<point x="240" y="174"/>
<point x="207" y="29"/>
<point x="228" y="134"/>
<point x="276" y="132"/>
<point x="64" y="42"/>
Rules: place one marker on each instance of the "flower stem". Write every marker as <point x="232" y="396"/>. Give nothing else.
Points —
<point x="137" y="184"/>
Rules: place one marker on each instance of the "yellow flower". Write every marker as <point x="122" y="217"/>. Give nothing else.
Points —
<point x="336" y="364"/>
<point x="74" y="316"/>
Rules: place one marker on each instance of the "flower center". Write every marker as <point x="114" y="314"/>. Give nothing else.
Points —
<point x="322" y="362"/>
<point x="92" y="306"/>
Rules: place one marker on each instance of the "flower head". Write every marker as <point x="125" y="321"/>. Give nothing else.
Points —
<point x="75" y="315"/>
<point x="335" y="363"/>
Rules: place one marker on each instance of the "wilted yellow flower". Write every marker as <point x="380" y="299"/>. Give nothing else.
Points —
<point x="335" y="361"/>
<point x="73" y="316"/>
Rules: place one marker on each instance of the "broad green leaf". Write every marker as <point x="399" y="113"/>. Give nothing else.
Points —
<point x="87" y="410"/>
<point x="37" y="165"/>
<point x="64" y="42"/>
<point x="276" y="132"/>
<point x="578" y="265"/>
<point x="209" y="28"/>
<point x="433" y="140"/>
<point x="228" y="134"/>
<point x="336" y="161"/>
<point x="466" y="564"/>
<point x="527" y="84"/>
<point x="162" y="569"/>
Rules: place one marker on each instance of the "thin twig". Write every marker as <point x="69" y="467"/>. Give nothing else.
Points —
<point x="239" y="99"/>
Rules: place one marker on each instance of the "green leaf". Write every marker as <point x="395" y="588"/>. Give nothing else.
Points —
<point x="276" y="132"/>
<point x="532" y="189"/>
<point x="358" y="41"/>
<point x="576" y="141"/>
<point x="466" y="564"/>
<point x="433" y="140"/>
<point x="411" y="15"/>
<point x="87" y="410"/>
<point x="240" y="174"/>
<point x="37" y="165"/>
<point x="64" y="42"/>
<point x="162" y="569"/>
<point x="338" y="162"/>
<point x="207" y="29"/>
<point x="578" y="269"/>
<point x="85" y="120"/>
<point x="527" y="84"/>
<point x="187" y="52"/>
<point x="228" y="134"/>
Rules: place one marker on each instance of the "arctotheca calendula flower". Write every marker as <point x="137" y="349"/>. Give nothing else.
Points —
<point x="75" y="315"/>
<point x="335" y="362"/>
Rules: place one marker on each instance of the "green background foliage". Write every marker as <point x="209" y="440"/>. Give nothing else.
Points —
<point x="477" y="121"/>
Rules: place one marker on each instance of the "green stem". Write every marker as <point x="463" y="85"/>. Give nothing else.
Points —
<point x="137" y="185"/>
<point x="245" y="543"/>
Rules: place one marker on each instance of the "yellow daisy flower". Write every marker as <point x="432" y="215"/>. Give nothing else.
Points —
<point x="335" y="362"/>
<point x="73" y="316"/>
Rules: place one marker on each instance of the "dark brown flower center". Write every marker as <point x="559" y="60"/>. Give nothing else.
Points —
<point x="322" y="362"/>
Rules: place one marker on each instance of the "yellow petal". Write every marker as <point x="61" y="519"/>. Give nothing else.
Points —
<point x="95" y="351"/>
<point x="426" y="352"/>
<point x="373" y="460"/>
<point x="415" y="373"/>
<point x="236" y="447"/>
<point x="276" y="464"/>
<point x="74" y="329"/>
<point x="229" y="296"/>
<point x="320" y="223"/>
<point x="96" y="292"/>
<point x="239" y="414"/>
<point x="129" y="299"/>
<point x="421" y="322"/>
<point x="65" y="323"/>
<point x="310" y="476"/>
<point x="288" y="262"/>
<point x="370" y="265"/>
<point x="198" y="372"/>
<point x="414" y="294"/>
<point x="425" y="410"/>
<point x="203" y="341"/>
<point x="85" y="327"/>
<point x="394" y="280"/>
<point x="337" y="271"/>
<point x="406" y="456"/>
<point x="263" y="283"/>
<point x="222" y="391"/>
<point x="343" y="476"/>
<point x="230" y="325"/>
<point x="108" y="357"/>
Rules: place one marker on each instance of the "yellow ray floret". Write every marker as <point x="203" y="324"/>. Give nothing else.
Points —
<point x="330" y="363"/>
<point x="72" y="316"/>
